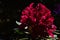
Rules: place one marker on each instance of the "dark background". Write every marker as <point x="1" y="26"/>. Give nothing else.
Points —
<point x="10" y="11"/>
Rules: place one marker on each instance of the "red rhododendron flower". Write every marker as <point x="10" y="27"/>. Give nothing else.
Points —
<point x="38" y="19"/>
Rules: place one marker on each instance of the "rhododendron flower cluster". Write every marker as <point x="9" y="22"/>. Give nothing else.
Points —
<point x="38" y="19"/>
